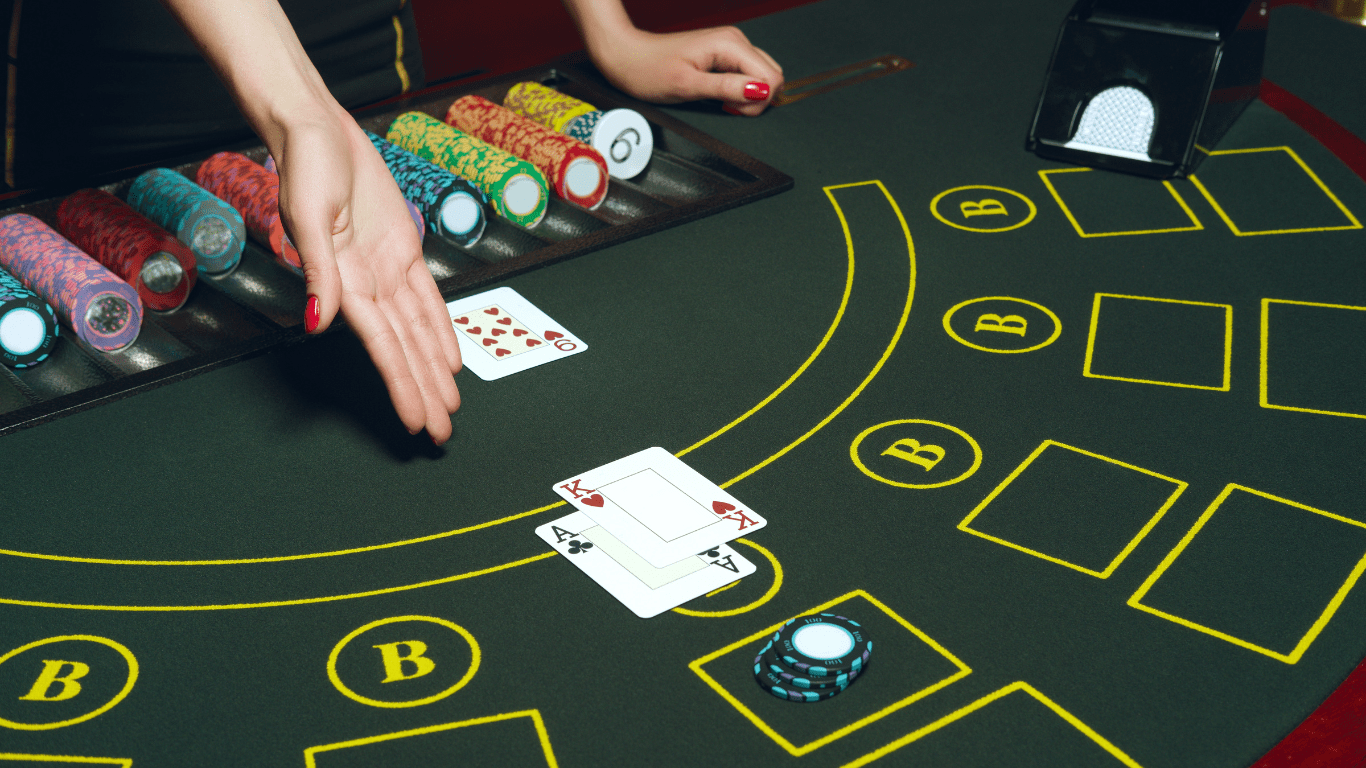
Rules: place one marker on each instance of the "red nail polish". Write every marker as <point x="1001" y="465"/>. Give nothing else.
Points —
<point x="756" y="91"/>
<point x="311" y="315"/>
<point x="728" y="109"/>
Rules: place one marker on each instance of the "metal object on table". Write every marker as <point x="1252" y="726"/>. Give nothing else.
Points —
<point x="850" y="74"/>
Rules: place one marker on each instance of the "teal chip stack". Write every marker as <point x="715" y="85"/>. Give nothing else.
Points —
<point x="813" y="658"/>
<point x="212" y="229"/>
<point x="28" y="326"/>
<point x="452" y="207"/>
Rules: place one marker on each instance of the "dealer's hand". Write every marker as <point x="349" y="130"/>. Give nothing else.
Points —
<point x="717" y="63"/>
<point x="340" y="205"/>
<point x="362" y="256"/>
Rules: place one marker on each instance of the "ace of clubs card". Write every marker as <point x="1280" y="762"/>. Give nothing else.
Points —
<point x="502" y="333"/>
<point x="646" y="590"/>
<point x="658" y="506"/>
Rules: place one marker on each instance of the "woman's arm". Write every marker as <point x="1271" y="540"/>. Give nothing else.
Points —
<point x="340" y="205"/>
<point x="717" y="63"/>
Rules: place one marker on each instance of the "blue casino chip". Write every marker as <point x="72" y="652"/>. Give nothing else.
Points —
<point x="823" y="645"/>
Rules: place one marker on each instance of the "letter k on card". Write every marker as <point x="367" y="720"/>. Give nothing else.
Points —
<point x="659" y="507"/>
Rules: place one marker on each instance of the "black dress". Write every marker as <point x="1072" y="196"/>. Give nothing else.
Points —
<point x="98" y="85"/>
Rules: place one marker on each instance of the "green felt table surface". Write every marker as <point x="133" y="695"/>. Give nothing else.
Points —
<point x="1136" y="548"/>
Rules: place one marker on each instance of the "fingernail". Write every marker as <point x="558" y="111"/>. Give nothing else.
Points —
<point x="756" y="91"/>
<point x="311" y="316"/>
<point x="728" y="109"/>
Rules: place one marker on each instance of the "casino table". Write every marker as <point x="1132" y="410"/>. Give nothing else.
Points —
<point x="1082" y="452"/>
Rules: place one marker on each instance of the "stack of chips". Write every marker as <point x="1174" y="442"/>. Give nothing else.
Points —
<point x="622" y="136"/>
<point x="577" y="171"/>
<point x="813" y="658"/>
<point x="103" y="310"/>
<point x="515" y="188"/>
<point x="212" y="229"/>
<point x="255" y="192"/>
<point x="452" y="206"/>
<point x="158" y="266"/>
<point x="28" y="326"/>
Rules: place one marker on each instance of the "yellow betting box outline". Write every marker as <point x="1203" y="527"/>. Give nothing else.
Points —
<point x="126" y="762"/>
<point x="1057" y="197"/>
<point x="1119" y="558"/>
<point x="872" y="374"/>
<point x="311" y="754"/>
<point x="948" y="325"/>
<point x="1228" y="343"/>
<point x="128" y="684"/>
<point x="1354" y="223"/>
<point x="697" y="665"/>
<point x="332" y="675"/>
<point x="1263" y="398"/>
<point x="976" y="454"/>
<point x="934" y="209"/>
<point x="1303" y="645"/>
<point x="959" y="714"/>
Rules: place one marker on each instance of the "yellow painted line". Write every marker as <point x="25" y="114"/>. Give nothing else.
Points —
<point x="126" y="762"/>
<point x="1296" y="653"/>
<point x="1227" y="380"/>
<point x="891" y="345"/>
<point x="1001" y="693"/>
<point x="1133" y="543"/>
<point x="829" y="333"/>
<point x="285" y="558"/>
<point x="310" y="754"/>
<point x="1057" y="198"/>
<point x="896" y="336"/>
<point x="281" y="603"/>
<point x="1353" y="223"/>
<point x="839" y="315"/>
<point x="1263" y="369"/>
<point x="696" y="665"/>
<point x="764" y="598"/>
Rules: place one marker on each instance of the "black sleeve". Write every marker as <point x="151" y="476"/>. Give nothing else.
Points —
<point x="98" y="86"/>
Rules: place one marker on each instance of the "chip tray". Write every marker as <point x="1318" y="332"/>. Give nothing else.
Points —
<point x="259" y="306"/>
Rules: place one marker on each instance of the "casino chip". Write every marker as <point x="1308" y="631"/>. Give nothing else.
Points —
<point x="813" y="658"/>
<point x="776" y="685"/>
<point x="823" y="645"/>
<point x="768" y="661"/>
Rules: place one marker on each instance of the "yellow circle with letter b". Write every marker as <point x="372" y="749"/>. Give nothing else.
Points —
<point x="916" y="453"/>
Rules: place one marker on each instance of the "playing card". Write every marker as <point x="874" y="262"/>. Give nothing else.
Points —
<point x="646" y="590"/>
<point x="502" y="333"/>
<point x="659" y="507"/>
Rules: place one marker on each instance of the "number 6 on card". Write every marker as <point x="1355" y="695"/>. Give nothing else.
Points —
<point x="659" y="507"/>
<point x="502" y="333"/>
